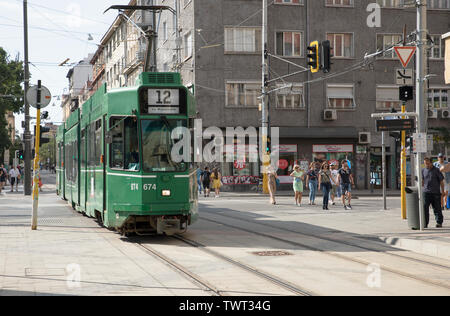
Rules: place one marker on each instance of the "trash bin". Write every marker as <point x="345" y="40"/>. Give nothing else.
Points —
<point x="412" y="208"/>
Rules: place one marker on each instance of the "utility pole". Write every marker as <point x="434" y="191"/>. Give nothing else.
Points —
<point x="383" y="163"/>
<point x="421" y="60"/>
<point x="264" y="123"/>
<point x="27" y="135"/>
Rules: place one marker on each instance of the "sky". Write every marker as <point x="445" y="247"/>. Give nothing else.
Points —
<point x="57" y="30"/>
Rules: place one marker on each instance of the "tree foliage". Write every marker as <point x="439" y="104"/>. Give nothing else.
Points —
<point x="11" y="94"/>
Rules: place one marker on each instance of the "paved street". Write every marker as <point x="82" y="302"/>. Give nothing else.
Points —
<point x="241" y="246"/>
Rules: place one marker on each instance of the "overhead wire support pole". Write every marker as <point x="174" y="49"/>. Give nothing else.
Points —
<point x="34" y="216"/>
<point x="421" y="33"/>
<point x="27" y="134"/>
<point x="264" y="122"/>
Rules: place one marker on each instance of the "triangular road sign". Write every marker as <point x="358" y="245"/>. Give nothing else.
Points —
<point x="405" y="54"/>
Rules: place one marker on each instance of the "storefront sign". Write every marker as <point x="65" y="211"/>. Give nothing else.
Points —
<point x="286" y="148"/>
<point x="332" y="148"/>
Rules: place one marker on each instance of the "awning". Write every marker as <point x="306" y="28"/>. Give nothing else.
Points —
<point x="319" y="132"/>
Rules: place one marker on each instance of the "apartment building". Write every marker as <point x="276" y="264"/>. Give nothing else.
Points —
<point x="321" y="117"/>
<point x="80" y="78"/>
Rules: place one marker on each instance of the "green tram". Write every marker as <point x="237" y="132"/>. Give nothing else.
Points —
<point x="114" y="157"/>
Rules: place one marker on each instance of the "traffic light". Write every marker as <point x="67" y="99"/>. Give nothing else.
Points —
<point x="43" y="130"/>
<point x="42" y="139"/>
<point x="20" y="155"/>
<point x="44" y="115"/>
<point x="268" y="145"/>
<point x="326" y="56"/>
<point x="313" y="56"/>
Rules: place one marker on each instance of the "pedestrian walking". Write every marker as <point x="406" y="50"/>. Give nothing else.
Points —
<point x="199" y="179"/>
<point x="432" y="186"/>
<point x="272" y="182"/>
<point x="345" y="179"/>
<point x="216" y="179"/>
<point x="440" y="164"/>
<point x="325" y="183"/>
<point x="206" y="181"/>
<point x="335" y="187"/>
<point x="2" y="179"/>
<point x="13" y="175"/>
<point x="298" y="176"/>
<point x="312" y="178"/>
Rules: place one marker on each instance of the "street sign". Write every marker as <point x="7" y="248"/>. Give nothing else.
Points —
<point x="395" y="125"/>
<point x="405" y="54"/>
<point x="404" y="77"/>
<point x="420" y="142"/>
<point x="406" y="93"/>
<point x="46" y="96"/>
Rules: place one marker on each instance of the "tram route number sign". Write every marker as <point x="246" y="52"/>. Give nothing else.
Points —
<point x="395" y="125"/>
<point x="163" y="101"/>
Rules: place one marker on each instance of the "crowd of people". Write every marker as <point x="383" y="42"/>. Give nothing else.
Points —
<point x="13" y="176"/>
<point x="328" y="178"/>
<point x="207" y="180"/>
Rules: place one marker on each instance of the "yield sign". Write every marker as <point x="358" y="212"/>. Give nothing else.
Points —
<point x="405" y="53"/>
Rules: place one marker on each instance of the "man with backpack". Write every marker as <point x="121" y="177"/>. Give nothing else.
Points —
<point x="206" y="181"/>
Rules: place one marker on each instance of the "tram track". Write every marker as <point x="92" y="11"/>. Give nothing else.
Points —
<point x="194" y="278"/>
<point x="273" y="279"/>
<point x="333" y="254"/>
<point x="335" y="240"/>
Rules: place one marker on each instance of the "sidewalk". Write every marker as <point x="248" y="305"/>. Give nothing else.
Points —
<point x="355" y="193"/>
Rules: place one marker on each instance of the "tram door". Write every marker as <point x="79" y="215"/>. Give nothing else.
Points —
<point x="83" y="170"/>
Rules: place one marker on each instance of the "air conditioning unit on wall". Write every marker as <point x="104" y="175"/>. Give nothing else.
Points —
<point x="445" y="114"/>
<point x="433" y="114"/>
<point x="330" y="115"/>
<point x="364" y="138"/>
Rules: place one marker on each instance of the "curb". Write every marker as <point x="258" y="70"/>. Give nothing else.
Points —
<point x="434" y="248"/>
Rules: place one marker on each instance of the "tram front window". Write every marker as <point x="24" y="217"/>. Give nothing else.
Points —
<point x="157" y="145"/>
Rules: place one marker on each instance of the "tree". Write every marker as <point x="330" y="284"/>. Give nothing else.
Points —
<point x="11" y="95"/>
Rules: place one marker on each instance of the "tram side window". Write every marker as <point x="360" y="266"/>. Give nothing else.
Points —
<point x="83" y="149"/>
<point x="91" y="145"/>
<point x="124" y="148"/>
<point x="98" y="142"/>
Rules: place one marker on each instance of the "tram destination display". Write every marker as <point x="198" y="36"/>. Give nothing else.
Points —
<point x="163" y="101"/>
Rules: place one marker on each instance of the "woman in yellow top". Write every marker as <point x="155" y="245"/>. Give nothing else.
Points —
<point x="216" y="179"/>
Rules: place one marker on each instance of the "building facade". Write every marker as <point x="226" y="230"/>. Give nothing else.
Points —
<point x="321" y="117"/>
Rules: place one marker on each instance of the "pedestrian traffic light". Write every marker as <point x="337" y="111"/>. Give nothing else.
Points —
<point x="20" y="155"/>
<point x="326" y="56"/>
<point x="313" y="56"/>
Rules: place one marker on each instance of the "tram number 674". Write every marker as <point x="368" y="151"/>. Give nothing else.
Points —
<point x="149" y="187"/>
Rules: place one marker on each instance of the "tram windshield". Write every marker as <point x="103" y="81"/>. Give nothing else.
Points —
<point x="157" y="145"/>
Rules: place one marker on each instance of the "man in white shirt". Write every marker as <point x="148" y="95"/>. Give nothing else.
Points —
<point x="13" y="175"/>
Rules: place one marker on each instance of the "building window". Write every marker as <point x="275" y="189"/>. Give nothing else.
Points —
<point x="438" y="99"/>
<point x="342" y="44"/>
<point x="388" y="98"/>
<point x="341" y="97"/>
<point x="243" y="94"/>
<point x="439" y="4"/>
<point x="391" y="3"/>
<point x="387" y="41"/>
<point x="296" y="2"/>
<point x="242" y="40"/>
<point x="290" y="97"/>
<point x="339" y="3"/>
<point x="289" y="44"/>
<point x="188" y="45"/>
<point x="437" y="47"/>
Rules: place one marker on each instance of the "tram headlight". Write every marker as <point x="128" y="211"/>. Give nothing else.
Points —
<point x="166" y="193"/>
